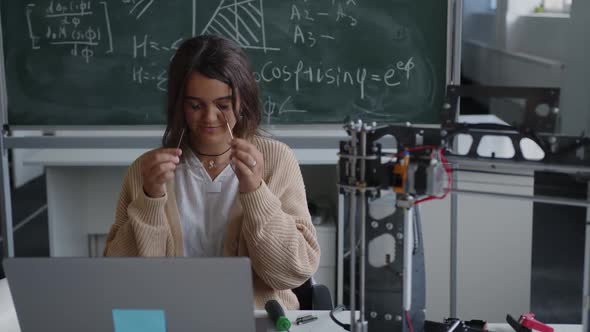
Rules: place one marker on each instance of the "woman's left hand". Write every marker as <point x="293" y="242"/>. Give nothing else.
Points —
<point x="248" y="165"/>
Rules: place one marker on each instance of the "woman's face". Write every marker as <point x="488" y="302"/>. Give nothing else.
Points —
<point x="206" y="101"/>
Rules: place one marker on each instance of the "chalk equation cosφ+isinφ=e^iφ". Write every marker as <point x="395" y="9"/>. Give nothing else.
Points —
<point x="63" y="23"/>
<point x="395" y="73"/>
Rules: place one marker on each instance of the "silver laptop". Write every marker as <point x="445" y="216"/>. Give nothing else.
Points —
<point x="131" y="294"/>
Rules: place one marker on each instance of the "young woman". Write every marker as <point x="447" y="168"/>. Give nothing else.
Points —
<point x="227" y="191"/>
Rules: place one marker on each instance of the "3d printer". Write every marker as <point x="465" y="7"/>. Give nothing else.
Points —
<point x="386" y="255"/>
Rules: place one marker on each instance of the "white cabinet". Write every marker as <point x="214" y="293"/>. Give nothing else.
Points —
<point x="494" y="243"/>
<point x="326" y="273"/>
<point x="495" y="247"/>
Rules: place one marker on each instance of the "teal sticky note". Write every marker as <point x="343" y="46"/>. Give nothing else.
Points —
<point x="139" y="320"/>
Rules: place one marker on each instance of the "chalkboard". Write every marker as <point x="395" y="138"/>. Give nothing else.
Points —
<point x="87" y="62"/>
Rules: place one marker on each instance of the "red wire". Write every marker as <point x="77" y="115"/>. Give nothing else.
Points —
<point x="449" y="180"/>
<point x="409" y="321"/>
<point x="445" y="165"/>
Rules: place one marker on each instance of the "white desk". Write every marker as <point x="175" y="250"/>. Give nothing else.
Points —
<point x="325" y="324"/>
<point x="9" y="321"/>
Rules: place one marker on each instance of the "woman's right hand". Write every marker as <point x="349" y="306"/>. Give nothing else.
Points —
<point x="157" y="168"/>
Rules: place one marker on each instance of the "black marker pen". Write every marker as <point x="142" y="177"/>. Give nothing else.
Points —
<point x="305" y="319"/>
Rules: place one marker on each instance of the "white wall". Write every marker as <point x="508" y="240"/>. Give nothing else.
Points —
<point x="22" y="174"/>
<point x="480" y="26"/>
<point x="478" y="20"/>
<point x="513" y="35"/>
<point x="514" y="47"/>
<point x="541" y="35"/>
<point x="518" y="48"/>
<point x="575" y="96"/>
<point x="492" y="66"/>
<point x="511" y="11"/>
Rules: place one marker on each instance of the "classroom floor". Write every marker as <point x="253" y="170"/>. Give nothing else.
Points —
<point x="556" y="277"/>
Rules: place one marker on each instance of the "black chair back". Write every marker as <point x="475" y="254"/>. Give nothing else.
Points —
<point x="313" y="296"/>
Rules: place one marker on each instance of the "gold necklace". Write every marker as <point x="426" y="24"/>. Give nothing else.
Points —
<point x="212" y="164"/>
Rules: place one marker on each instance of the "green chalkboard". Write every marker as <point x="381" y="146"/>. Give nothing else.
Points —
<point x="87" y="62"/>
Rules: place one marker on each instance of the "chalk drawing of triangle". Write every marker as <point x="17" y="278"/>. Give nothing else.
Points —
<point x="241" y="21"/>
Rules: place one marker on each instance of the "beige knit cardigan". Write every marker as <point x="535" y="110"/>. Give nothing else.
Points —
<point x="272" y="226"/>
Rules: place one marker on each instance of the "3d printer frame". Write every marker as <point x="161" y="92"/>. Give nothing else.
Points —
<point x="419" y="169"/>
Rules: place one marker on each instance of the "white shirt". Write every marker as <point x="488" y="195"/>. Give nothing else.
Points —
<point x="203" y="205"/>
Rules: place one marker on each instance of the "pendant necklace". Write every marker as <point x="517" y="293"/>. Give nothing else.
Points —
<point x="211" y="163"/>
